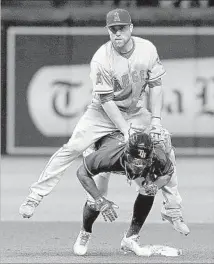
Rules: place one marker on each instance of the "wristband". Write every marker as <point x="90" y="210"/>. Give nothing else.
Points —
<point x="99" y="203"/>
<point x="99" y="200"/>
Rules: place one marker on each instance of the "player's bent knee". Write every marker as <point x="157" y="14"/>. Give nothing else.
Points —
<point x="73" y="148"/>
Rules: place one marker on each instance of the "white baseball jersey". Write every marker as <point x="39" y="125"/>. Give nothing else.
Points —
<point x="125" y="75"/>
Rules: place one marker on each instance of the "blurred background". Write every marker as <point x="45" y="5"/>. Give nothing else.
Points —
<point x="46" y="48"/>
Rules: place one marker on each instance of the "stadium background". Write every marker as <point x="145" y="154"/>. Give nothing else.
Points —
<point x="46" y="48"/>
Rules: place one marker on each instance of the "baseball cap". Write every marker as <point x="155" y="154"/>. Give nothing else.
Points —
<point x="118" y="17"/>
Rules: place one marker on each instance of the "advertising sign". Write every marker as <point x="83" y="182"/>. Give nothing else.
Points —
<point x="48" y="85"/>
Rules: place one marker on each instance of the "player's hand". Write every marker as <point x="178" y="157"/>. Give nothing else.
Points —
<point x="127" y="134"/>
<point x="107" y="209"/>
<point x="156" y="133"/>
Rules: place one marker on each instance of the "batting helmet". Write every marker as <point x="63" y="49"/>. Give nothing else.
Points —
<point x="138" y="154"/>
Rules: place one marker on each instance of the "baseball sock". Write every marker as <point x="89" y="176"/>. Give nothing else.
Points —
<point x="89" y="217"/>
<point x="142" y="207"/>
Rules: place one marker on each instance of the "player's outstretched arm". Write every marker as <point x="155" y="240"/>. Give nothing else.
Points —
<point x="116" y="117"/>
<point x="106" y="207"/>
<point x="156" y="103"/>
<point x="156" y="100"/>
<point x="88" y="182"/>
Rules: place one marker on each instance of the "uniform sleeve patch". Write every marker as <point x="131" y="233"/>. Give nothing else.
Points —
<point x="99" y="78"/>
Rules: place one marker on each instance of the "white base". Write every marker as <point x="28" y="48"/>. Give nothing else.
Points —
<point x="165" y="251"/>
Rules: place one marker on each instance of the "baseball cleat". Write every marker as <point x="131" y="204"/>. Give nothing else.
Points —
<point x="28" y="207"/>
<point x="177" y="223"/>
<point x="81" y="245"/>
<point x="130" y="244"/>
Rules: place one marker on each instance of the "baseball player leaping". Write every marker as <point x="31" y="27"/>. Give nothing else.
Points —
<point x="120" y="71"/>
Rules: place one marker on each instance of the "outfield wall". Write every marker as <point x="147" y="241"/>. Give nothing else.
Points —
<point x="48" y="85"/>
<point x="45" y="84"/>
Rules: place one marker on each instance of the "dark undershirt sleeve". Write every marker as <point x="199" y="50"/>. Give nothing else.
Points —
<point x="105" y="159"/>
